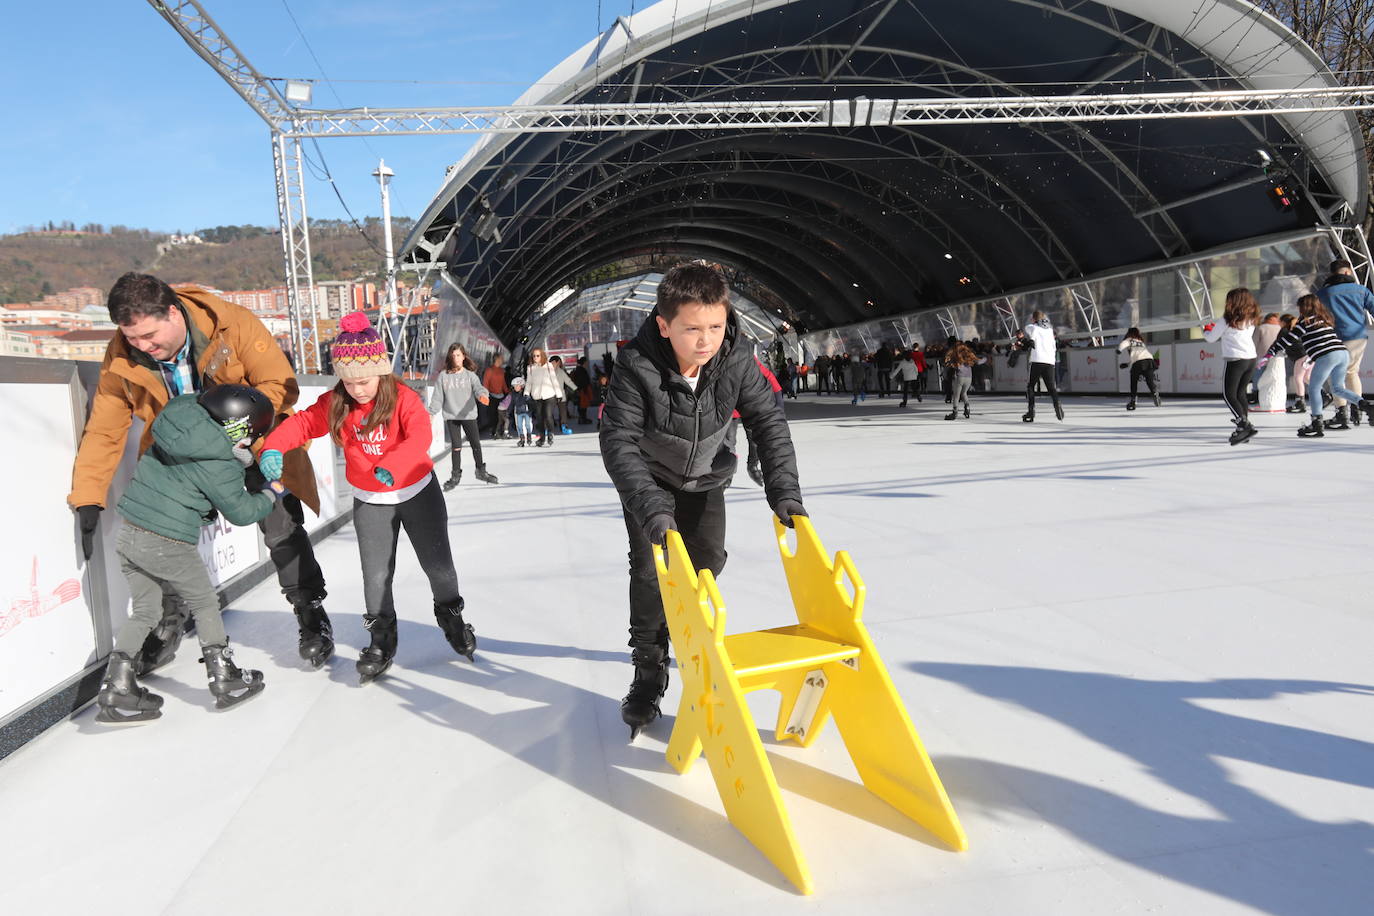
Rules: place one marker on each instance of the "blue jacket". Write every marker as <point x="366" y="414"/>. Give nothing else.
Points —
<point x="1348" y="301"/>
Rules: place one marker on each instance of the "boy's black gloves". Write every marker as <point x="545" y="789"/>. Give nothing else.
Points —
<point x="786" y="508"/>
<point x="657" y="528"/>
<point x="88" y="517"/>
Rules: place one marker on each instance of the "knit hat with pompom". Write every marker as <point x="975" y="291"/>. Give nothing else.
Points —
<point x="358" y="351"/>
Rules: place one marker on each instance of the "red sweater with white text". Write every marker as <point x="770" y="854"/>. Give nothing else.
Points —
<point x="401" y="445"/>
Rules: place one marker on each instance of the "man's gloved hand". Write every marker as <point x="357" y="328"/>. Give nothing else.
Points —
<point x="657" y="528"/>
<point x="243" y="452"/>
<point x="384" y="476"/>
<point x="269" y="462"/>
<point x="786" y="508"/>
<point x="88" y="517"/>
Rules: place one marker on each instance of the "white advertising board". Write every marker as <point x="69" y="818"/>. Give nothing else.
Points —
<point x="1198" y="367"/>
<point x="1092" y="371"/>
<point x="228" y="550"/>
<point x="1010" y="378"/>
<point x="1367" y="369"/>
<point x="323" y="455"/>
<point x="46" y="634"/>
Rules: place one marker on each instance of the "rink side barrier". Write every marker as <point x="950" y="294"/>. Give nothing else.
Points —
<point x="59" y="613"/>
<point x="1189" y="367"/>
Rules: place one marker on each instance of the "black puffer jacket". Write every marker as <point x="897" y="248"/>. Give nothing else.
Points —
<point x="656" y="431"/>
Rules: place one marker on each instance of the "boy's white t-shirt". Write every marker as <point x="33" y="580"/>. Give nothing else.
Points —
<point x="692" y="380"/>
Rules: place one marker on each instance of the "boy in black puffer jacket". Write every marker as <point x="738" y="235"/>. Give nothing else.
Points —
<point x="194" y="469"/>
<point x="666" y="445"/>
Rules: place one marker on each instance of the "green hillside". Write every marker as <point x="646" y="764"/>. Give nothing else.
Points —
<point x="33" y="264"/>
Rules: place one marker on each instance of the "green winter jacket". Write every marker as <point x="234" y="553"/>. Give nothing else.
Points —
<point x="188" y="473"/>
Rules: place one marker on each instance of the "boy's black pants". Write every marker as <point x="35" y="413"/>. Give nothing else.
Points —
<point x="700" y="520"/>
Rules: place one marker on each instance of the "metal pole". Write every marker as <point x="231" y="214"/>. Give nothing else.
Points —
<point x="383" y="176"/>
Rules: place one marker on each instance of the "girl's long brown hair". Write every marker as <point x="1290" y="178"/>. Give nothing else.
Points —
<point x="1242" y="311"/>
<point x="383" y="407"/>
<point x="963" y="355"/>
<point x="467" y="360"/>
<point x="1310" y="306"/>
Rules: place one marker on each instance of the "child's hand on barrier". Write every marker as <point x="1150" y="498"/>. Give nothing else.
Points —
<point x="383" y="476"/>
<point x="269" y="462"/>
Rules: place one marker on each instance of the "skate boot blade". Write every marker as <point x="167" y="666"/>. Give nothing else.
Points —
<point x="109" y="716"/>
<point x="634" y="732"/>
<point x="367" y="677"/>
<point x="230" y="700"/>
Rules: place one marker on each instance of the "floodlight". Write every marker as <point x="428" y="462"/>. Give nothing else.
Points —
<point x="298" y="91"/>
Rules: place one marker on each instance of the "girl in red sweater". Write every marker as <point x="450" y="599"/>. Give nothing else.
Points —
<point x="384" y="431"/>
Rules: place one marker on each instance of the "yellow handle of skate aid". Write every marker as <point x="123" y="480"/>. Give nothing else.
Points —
<point x="823" y="665"/>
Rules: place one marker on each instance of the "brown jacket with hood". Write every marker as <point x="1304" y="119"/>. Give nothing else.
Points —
<point x="229" y="345"/>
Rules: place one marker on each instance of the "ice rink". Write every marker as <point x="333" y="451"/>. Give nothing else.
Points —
<point x="1142" y="662"/>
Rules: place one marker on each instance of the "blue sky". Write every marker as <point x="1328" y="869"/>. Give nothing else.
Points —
<point x="114" y="120"/>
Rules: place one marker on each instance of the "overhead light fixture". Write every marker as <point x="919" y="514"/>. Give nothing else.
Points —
<point x="298" y="91"/>
<point x="948" y="256"/>
<point x="1265" y="160"/>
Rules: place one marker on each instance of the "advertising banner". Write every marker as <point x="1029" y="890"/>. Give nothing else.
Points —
<point x="228" y="550"/>
<point x="1198" y="368"/>
<point x="1010" y="378"/>
<point x="1092" y="371"/>
<point x="46" y="634"/>
<point x="323" y="457"/>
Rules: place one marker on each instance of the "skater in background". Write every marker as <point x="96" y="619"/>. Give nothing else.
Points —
<point x="910" y="376"/>
<point x="518" y="403"/>
<point x="194" y="469"/>
<point x="494" y="380"/>
<point x="1039" y="335"/>
<point x="384" y="431"/>
<point x="544" y="382"/>
<point x="961" y="359"/>
<point x="1328" y="356"/>
<point x="1266" y="332"/>
<point x="455" y="397"/>
<point x="1350" y="304"/>
<point x="1142" y="365"/>
<point x="1301" y="367"/>
<point x="666" y="446"/>
<point x="1236" y="333"/>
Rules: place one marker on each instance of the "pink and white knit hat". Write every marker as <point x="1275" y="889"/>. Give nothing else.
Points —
<point x="358" y="351"/>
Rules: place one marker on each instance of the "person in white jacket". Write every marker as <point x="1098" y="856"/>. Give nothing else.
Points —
<point x="544" y="383"/>
<point x="1040" y="334"/>
<point x="1142" y="365"/>
<point x="1236" y="333"/>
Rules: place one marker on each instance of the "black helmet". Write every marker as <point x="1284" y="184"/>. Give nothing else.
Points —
<point x="245" y="413"/>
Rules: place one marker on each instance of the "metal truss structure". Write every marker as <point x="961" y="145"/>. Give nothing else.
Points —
<point x="837" y="113"/>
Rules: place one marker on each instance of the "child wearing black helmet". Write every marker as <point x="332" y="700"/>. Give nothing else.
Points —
<point x="194" y="470"/>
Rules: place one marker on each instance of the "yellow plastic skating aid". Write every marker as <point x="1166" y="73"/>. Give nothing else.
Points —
<point x="825" y="665"/>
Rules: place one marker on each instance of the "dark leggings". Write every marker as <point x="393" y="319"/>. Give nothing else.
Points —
<point x="546" y="416"/>
<point x="1143" y="368"/>
<point x="425" y="519"/>
<point x="1044" y="374"/>
<point x="456" y="430"/>
<point x="1234" y="386"/>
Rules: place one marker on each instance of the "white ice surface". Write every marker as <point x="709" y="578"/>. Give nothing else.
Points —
<point x="1140" y="658"/>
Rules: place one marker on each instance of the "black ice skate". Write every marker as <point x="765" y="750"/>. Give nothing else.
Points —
<point x="1340" y="421"/>
<point x="230" y="684"/>
<point x="1130" y="405"/>
<point x="641" y="703"/>
<point x="1244" y="433"/>
<point x="1058" y="411"/>
<point x="121" y="700"/>
<point x="1028" y="417"/>
<point x="1312" y="430"/>
<point x="460" y="635"/>
<point x="952" y="415"/>
<point x="454" y="479"/>
<point x="161" y="645"/>
<point x="374" y="661"/>
<point x="1156" y="397"/>
<point x="316" y="634"/>
<point x="484" y="475"/>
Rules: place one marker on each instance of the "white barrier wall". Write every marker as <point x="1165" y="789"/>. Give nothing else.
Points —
<point x="1091" y="371"/>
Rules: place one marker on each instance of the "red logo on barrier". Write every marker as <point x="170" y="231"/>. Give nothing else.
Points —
<point x="1203" y="354"/>
<point x="36" y="604"/>
<point x="1093" y="359"/>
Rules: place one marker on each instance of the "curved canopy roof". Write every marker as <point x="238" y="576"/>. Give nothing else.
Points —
<point x="844" y="225"/>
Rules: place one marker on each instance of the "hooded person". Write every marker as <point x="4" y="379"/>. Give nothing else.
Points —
<point x="192" y="473"/>
<point x="1040" y="334"/>
<point x="666" y="444"/>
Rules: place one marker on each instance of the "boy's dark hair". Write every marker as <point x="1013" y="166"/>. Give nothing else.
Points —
<point x="1341" y="264"/>
<point x="691" y="282"/>
<point x="136" y="296"/>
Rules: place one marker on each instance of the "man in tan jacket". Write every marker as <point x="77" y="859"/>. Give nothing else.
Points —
<point x="179" y="342"/>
